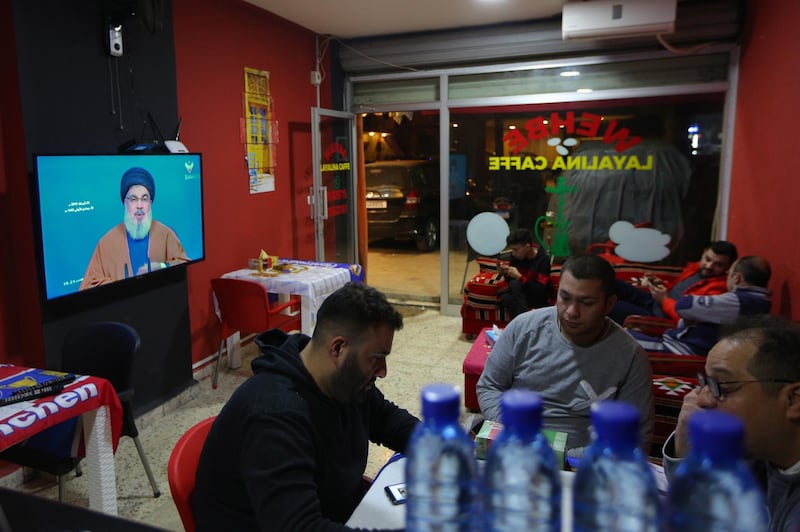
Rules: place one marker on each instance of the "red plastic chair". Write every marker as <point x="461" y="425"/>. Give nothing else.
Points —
<point x="244" y="306"/>
<point x="182" y="467"/>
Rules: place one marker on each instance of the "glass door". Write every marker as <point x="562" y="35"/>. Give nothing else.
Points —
<point x="332" y="197"/>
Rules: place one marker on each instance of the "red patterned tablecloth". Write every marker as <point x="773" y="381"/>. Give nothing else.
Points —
<point x="97" y="404"/>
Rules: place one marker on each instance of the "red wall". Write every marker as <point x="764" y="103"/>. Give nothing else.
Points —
<point x="765" y="191"/>
<point x="214" y="42"/>
<point x="21" y="339"/>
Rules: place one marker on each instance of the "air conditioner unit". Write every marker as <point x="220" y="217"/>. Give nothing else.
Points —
<point x="606" y="19"/>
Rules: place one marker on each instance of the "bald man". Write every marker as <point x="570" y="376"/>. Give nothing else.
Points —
<point x="701" y="316"/>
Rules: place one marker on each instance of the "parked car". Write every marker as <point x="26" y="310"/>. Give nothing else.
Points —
<point x="403" y="201"/>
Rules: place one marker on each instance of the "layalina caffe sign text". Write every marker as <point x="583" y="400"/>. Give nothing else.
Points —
<point x="335" y="160"/>
<point x="587" y="125"/>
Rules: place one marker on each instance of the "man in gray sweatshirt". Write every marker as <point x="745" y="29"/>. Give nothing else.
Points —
<point x="572" y="355"/>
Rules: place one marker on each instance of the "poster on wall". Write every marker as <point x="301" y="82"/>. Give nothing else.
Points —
<point x="259" y="131"/>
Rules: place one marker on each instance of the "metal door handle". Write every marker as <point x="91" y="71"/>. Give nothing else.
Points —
<point x="324" y="193"/>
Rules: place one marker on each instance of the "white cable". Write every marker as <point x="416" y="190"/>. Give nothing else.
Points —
<point x="362" y="54"/>
<point x="683" y="51"/>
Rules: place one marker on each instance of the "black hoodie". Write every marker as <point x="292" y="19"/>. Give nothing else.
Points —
<point x="281" y="455"/>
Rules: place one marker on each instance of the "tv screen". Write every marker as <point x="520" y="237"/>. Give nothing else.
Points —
<point x="107" y="218"/>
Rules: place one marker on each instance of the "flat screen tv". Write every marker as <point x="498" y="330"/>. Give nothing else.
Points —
<point x="108" y="218"/>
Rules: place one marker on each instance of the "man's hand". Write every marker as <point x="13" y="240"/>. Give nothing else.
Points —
<point x="688" y="408"/>
<point x="649" y="280"/>
<point x="153" y="267"/>
<point x="509" y="271"/>
<point x="658" y="292"/>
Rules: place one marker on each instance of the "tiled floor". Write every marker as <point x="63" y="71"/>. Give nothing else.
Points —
<point x="403" y="273"/>
<point x="430" y="348"/>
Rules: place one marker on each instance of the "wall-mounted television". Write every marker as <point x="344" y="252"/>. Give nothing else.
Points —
<point x="109" y="218"/>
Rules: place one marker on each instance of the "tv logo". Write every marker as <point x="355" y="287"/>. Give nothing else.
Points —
<point x="189" y="166"/>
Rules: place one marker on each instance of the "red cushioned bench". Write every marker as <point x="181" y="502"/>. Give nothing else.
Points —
<point x="481" y="306"/>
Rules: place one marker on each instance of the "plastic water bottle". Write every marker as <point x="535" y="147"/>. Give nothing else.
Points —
<point x="441" y="470"/>
<point x="522" y="487"/>
<point x="713" y="489"/>
<point x="614" y="487"/>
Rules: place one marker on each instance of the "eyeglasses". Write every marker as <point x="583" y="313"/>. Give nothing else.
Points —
<point x="135" y="199"/>
<point x="720" y="393"/>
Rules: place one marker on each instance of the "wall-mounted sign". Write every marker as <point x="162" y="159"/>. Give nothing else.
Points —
<point x="259" y="131"/>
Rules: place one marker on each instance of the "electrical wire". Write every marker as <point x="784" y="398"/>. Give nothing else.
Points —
<point x="321" y="56"/>
<point x="683" y="51"/>
<point x="366" y="56"/>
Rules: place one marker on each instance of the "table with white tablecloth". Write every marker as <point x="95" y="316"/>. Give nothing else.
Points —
<point x="312" y="283"/>
<point x="376" y="511"/>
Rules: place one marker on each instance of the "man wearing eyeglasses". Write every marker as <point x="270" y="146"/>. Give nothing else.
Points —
<point x="753" y="372"/>
<point x="137" y="245"/>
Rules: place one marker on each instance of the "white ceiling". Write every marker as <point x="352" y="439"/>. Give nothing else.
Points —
<point x="359" y="18"/>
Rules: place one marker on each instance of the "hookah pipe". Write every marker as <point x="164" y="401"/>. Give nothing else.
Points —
<point x="560" y="241"/>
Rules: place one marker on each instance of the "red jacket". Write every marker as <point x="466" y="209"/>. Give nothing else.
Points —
<point x="709" y="286"/>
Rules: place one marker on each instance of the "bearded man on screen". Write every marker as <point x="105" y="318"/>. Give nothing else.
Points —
<point x="137" y="245"/>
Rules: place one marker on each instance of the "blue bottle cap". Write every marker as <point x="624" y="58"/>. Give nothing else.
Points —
<point x="440" y="402"/>
<point x="616" y="424"/>
<point x="522" y="409"/>
<point x="719" y="436"/>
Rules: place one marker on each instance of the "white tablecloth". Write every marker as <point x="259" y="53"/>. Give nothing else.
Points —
<point x="376" y="511"/>
<point x="312" y="283"/>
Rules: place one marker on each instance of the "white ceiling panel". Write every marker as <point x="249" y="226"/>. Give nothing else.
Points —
<point x="358" y="18"/>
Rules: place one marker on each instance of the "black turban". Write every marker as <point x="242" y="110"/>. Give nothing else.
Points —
<point x="137" y="176"/>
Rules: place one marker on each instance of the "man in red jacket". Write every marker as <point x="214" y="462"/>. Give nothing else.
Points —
<point x="706" y="277"/>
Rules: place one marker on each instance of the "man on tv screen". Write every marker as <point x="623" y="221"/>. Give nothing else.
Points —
<point x="137" y="245"/>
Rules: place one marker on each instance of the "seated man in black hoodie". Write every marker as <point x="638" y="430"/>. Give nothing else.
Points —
<point x="288" y="450"/>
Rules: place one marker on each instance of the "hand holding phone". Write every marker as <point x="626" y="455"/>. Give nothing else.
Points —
<point x="651" y="280"/>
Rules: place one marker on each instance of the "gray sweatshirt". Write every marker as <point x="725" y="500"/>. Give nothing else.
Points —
<point x="532" y="354"/>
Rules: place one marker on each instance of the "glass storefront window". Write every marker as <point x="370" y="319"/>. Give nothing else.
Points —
<point x="571" y="149"/>
<point x="569" y="172"/>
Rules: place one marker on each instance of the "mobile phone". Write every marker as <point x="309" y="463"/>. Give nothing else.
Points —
<point x="396" y="493"/>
